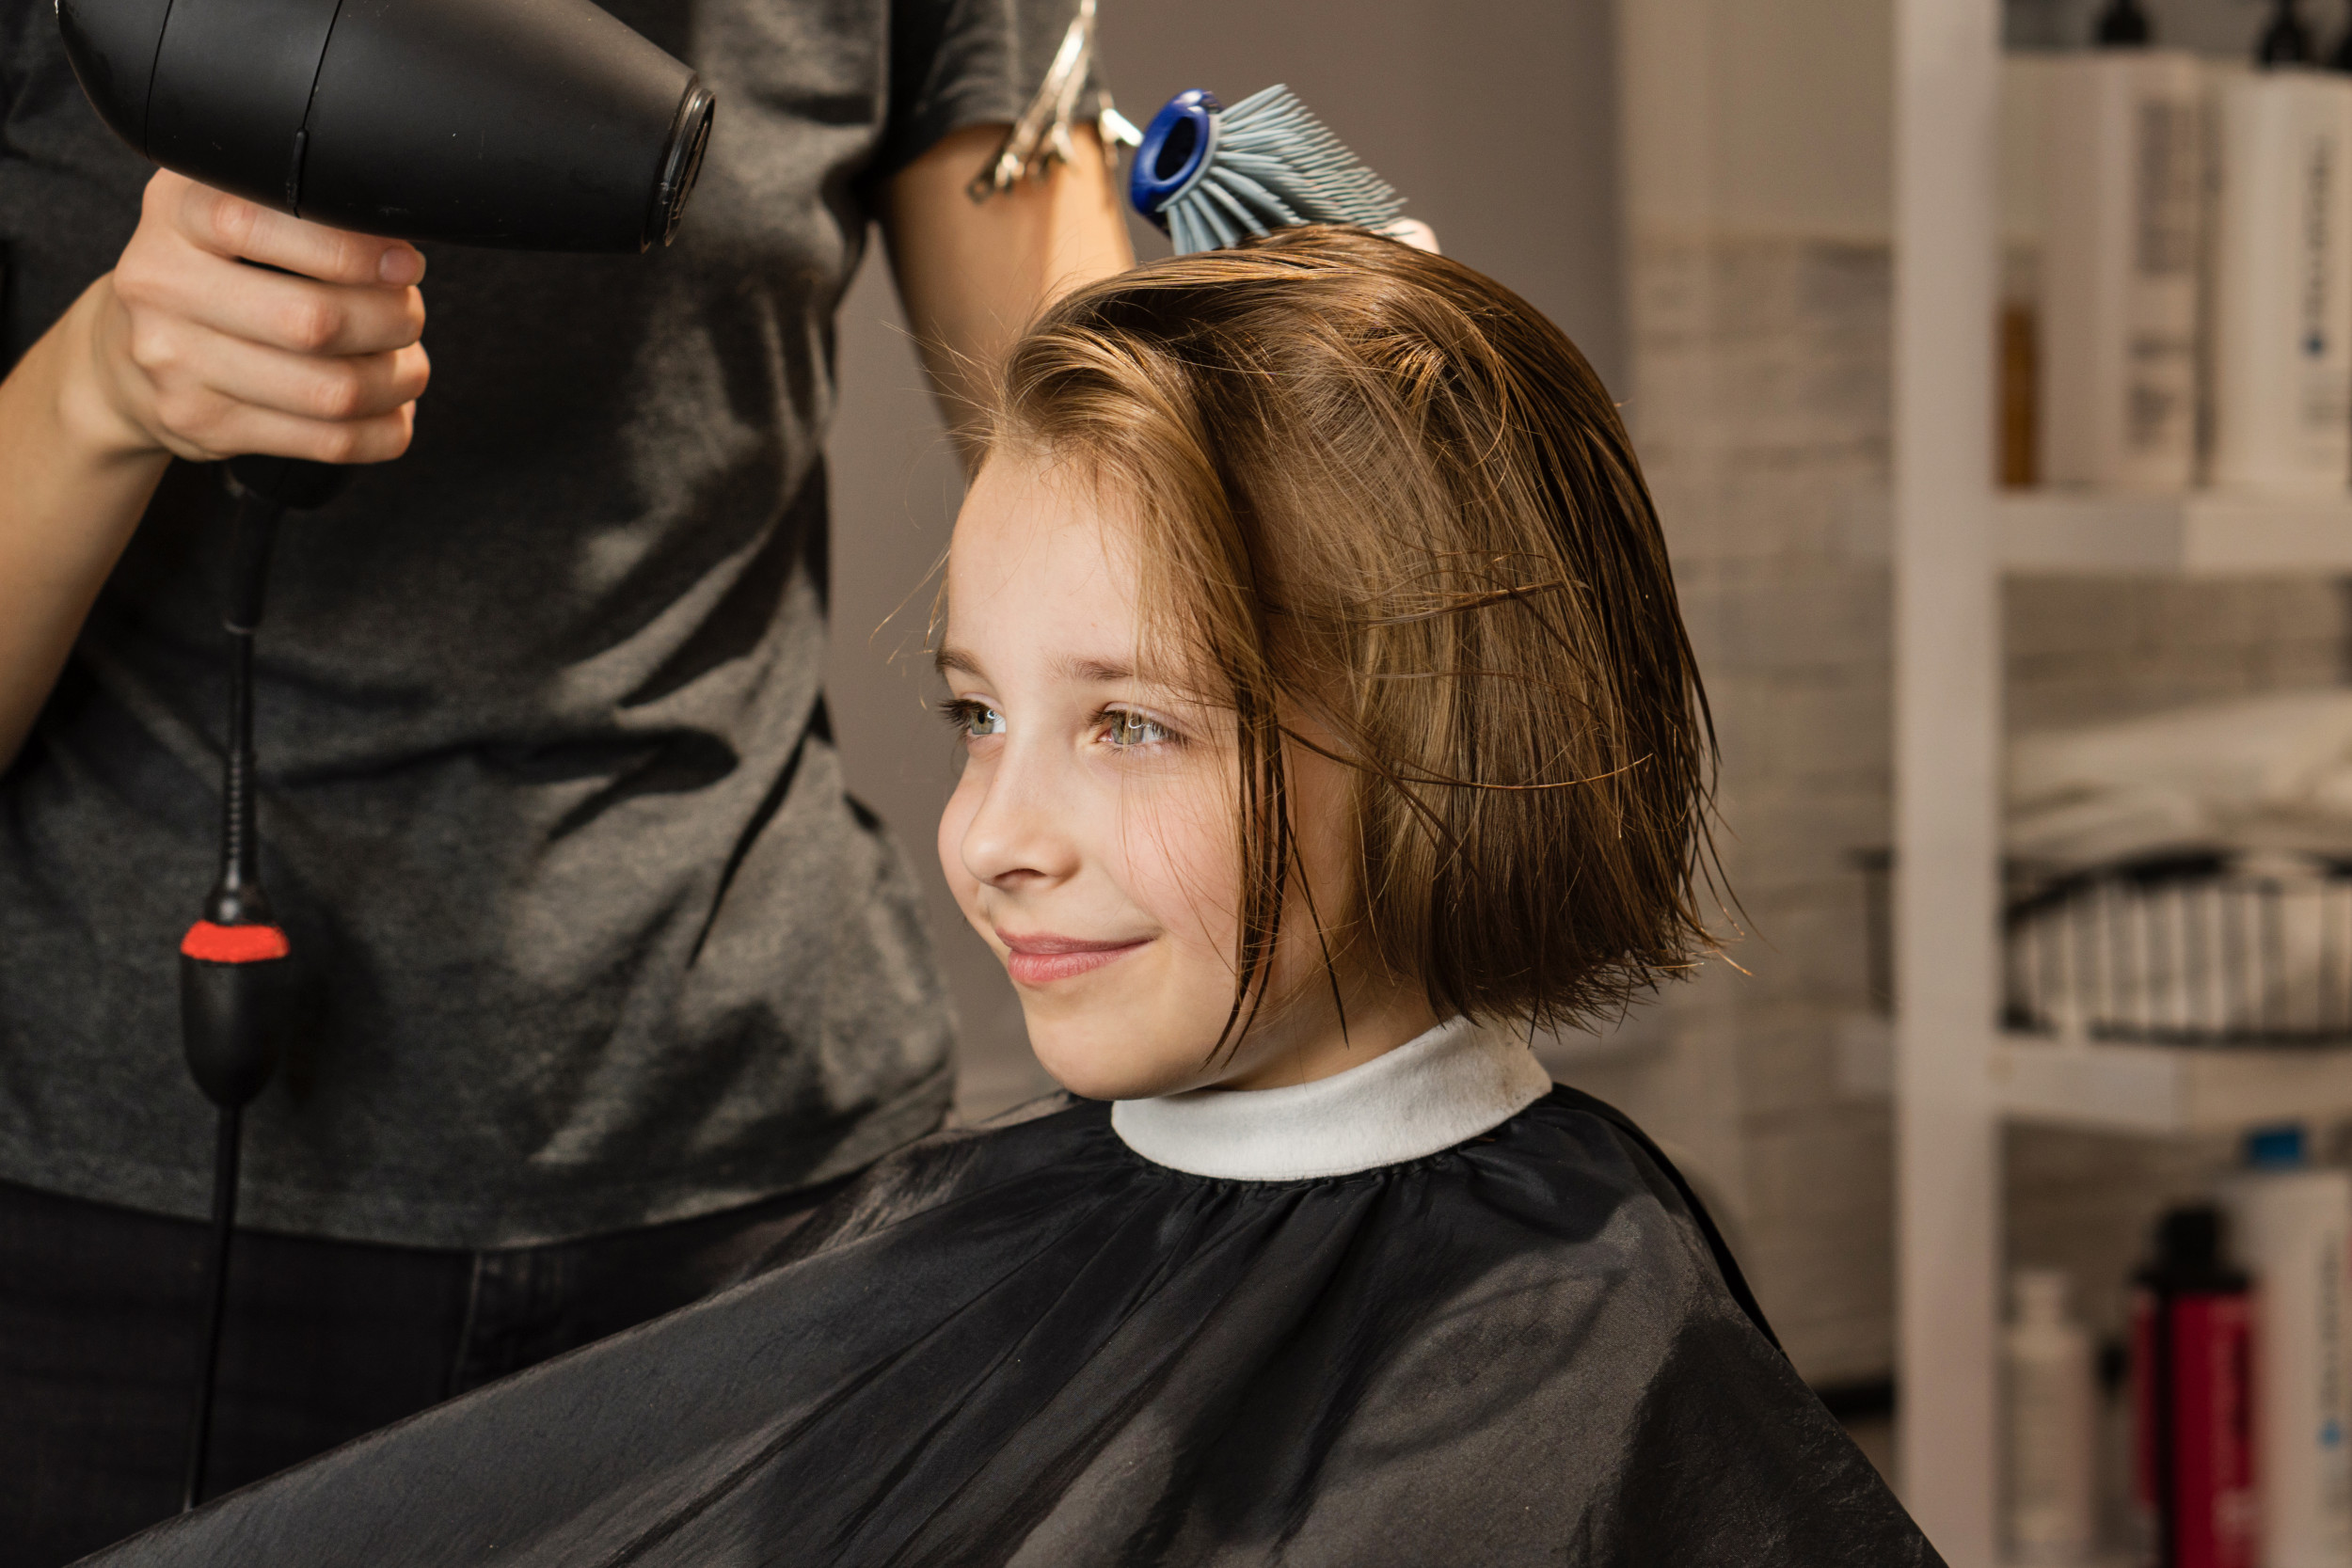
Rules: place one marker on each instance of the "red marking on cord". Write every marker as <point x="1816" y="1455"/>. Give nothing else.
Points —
<point x="233" y="944"/>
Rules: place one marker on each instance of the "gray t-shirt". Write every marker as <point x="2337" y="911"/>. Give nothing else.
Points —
<point x="550" y="808"/>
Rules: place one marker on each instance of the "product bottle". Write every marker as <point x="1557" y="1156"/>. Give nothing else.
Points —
<point x="2017" y="344"/>
<point x="2123" y="170"/>
<point x="2279" y="311"/>
<point x="2291" y="1227"/>
<point x="2050" y="1503"/>
<point x="2122" y="23"/>
<point x="2285" y="39"/>
<point x="2192" y="1373"/>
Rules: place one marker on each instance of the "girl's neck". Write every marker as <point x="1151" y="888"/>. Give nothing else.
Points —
<point x="1316" y="1041"/>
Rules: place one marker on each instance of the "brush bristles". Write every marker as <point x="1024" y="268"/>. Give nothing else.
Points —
<point x="1274" y="164"/>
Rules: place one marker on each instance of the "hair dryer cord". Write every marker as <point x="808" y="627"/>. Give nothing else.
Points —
<point x="235" y="963"/>
<point x="215" y="1303"/>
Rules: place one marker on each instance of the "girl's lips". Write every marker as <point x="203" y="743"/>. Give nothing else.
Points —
<point x="1042" y="959"/>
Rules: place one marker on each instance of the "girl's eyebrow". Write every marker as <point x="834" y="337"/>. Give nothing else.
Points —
<point x="1094" y="672"/>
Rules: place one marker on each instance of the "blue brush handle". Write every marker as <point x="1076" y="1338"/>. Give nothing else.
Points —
<point x="1175" y="145"/>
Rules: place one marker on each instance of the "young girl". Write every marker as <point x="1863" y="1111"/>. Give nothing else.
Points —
<point x="1329" y="724"/>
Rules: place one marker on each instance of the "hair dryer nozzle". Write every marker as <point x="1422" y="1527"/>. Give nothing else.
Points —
<point x="682" y="164"/>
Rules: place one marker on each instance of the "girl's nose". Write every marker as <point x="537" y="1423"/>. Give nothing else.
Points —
<point x="1026" y="830"/>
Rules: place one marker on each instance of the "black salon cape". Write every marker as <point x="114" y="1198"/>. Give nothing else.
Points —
<point x="1028" y="1345"/>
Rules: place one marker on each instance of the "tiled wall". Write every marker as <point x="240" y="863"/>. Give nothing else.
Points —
<point x="1760" y="404"/>
<point x="2090" y="648"/>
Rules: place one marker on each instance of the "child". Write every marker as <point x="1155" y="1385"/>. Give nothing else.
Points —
<point x="1329" y="724"/>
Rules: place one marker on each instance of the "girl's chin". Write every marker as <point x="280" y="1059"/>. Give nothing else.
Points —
<point x="1115" y="1057"/>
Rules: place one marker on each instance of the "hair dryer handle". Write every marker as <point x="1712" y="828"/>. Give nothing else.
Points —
<point x="293" y="483"/>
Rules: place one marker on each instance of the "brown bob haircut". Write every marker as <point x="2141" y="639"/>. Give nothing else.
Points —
<point x="1378" y="492"/>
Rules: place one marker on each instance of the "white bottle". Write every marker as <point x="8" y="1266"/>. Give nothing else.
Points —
<point x="2050" y="1498"/>
<point x="2289" y="1226"/>
<point x="2123" y="177"/>
<point x="2279" y="311"/>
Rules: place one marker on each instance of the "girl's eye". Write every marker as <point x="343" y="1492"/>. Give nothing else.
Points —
<point x="973" y="719"/>
<point x="1127" y="730"/>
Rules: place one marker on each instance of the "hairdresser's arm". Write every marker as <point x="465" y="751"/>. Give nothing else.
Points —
<point x="973" y="274"/>
<point x="181" y="350"/>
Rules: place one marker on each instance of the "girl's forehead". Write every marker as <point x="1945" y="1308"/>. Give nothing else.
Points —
<point x="1018" y="493"/>
<point x="1037" y="554"/>
<point x="1037" y="584"/>
<point x="1043" y="582"/>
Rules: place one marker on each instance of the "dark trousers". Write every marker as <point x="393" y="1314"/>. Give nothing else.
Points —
<point x="101" y="1313"/>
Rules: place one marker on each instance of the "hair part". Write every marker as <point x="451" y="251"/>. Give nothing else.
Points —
<point x="1386" y="511"/>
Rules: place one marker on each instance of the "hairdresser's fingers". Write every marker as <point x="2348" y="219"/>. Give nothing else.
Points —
<point x="352" y="387"/>
<point x="162" y="277"/>
<point x="243" y="428"/>
<point x="288" y="314"/>
<point x="230" y="226"/>
<point x="205" y="426"/>
<point x="203" y="394"/>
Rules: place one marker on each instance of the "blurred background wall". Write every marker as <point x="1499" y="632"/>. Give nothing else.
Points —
<point x="1698" y="192"/>
<point x="1757" y="211"/>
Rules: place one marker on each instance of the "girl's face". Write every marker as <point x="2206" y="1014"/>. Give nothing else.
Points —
<point x="1091" y="840"/>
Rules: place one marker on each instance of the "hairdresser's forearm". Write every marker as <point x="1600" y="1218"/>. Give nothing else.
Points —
<point x="74" y="478"/>
<point x="974" y="275"/>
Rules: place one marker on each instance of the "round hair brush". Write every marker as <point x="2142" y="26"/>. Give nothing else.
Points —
<point x="1210" y="176"/>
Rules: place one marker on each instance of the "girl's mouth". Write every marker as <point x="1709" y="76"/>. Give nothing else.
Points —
<point x="1040" y="958"/>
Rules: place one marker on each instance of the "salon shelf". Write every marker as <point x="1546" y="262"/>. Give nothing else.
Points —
<point x="2201" y="533"/>
<point x="1950" y="538"/>
<point x="2158" y="1089"/>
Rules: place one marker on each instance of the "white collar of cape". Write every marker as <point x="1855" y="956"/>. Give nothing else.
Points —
<point x="1437" y="1089"/>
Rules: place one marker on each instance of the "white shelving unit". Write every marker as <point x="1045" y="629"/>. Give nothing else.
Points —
<point x="2162" y="1091"/>
<point x="2205" y="533"/>
<point x="1957" y="1078"/>
<point x="1947" y="756"/>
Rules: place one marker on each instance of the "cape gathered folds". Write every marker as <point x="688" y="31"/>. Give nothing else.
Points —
<point x="1026" y="1344"/>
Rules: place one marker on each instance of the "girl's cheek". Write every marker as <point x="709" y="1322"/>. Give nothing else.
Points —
<point x="954" y="823"/>
<point x="1175" y="858"/>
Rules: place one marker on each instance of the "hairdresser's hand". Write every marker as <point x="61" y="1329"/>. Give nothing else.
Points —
<point x="185" y="350"/>
<point x="197" y="353"/>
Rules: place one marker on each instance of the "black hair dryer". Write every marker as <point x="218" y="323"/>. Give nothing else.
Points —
<point x="523" y="124"/>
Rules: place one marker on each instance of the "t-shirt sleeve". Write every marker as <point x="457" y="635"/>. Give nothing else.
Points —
<point x="955" y="63"/>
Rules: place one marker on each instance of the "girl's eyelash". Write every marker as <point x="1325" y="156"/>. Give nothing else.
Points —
<point x="965" y="716"/>
<point x="1116" y="717"/>
<point x="974" y="719"/>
